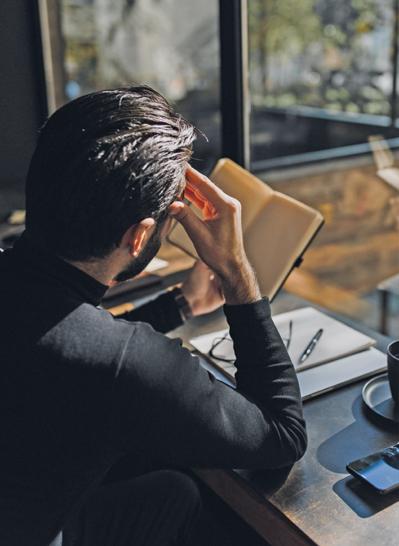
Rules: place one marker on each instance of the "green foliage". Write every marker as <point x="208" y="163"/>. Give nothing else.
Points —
<point x="324" y="38"/>
<point x="285" y="26"/>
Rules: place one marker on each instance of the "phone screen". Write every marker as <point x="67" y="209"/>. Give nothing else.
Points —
<point x="381" y="469"/>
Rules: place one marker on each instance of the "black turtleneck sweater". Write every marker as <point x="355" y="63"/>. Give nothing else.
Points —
<point x="79" y="389"/>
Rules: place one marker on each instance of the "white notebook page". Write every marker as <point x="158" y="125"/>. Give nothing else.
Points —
<point x="337" y="341"/>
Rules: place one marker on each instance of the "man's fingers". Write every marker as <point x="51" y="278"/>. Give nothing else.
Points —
<point x="195" y="227"/>
<point x="207" y="209"/>
<point x="205" y="187"/>
<point x="193" y="198"/>
<point x="201" y="266"/>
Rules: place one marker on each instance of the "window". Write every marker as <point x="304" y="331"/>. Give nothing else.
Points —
<point x="321" y="74"/>
<point x="357" y="248"/>
<point x="171" y="45"/>
<point x="322" y="79"/>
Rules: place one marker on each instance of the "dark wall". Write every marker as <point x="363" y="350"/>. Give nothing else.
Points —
<point x="22" y="98"/>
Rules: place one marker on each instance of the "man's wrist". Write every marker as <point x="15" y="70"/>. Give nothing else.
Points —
<point x="241" y="287"/>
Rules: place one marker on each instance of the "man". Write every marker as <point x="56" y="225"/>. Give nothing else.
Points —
<point x="81" y="389"/>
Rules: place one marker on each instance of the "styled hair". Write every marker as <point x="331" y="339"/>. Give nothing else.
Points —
<point x="103" y="162"/>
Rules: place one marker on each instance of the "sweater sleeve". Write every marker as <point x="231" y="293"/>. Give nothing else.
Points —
<point x="176" y="412"/>
<point x="161" y="313"/>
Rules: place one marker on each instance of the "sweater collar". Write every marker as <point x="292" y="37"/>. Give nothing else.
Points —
<point x="51" y="266"/>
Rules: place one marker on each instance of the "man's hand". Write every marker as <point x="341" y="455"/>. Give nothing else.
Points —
<point x="217" y="237"/>
<point x="202" y="290"/>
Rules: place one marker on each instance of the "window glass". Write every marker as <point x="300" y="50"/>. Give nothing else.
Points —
<point x="356" y="250"/>
<point x="171" y="45"/>
<point x="321" y="78"/>
<point x="320" y="73"/>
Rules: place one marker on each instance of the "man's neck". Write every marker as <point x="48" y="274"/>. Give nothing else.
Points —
<point x="97" y="269"/>
<point x="102" y="270"/>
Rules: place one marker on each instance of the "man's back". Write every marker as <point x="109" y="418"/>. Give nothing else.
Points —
<point x="59" y="356"/>
<point x="79" y="389"/>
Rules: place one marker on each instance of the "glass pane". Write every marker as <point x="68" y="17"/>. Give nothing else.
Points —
<point x="320" y="73"/>
<point x="321" y="78"/>
<point x="171" y="45"/>
<point x="357" y="248"/>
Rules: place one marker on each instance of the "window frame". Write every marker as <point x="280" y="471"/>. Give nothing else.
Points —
<point x="235" y="100"/>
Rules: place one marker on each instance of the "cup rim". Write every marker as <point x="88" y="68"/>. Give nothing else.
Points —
<point x="390" y="348"/>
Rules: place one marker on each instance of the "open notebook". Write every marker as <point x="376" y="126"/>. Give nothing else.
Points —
<point x="337" y="341"/>
<point x="342" y="355"/>
<point x="277" y="228"/>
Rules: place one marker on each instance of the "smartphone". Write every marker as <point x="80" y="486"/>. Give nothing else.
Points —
<point x="380" y="470"/>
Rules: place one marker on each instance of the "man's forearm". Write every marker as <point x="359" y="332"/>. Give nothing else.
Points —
<point x="191" y="419"/>
<point x="240" y="285"/>
<point x="265" y="372"/>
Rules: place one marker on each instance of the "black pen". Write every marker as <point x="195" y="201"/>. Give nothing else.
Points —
<point x="312" y="344"/>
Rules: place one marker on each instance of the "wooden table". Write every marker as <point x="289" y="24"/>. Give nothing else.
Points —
<point x="317" y="503"/>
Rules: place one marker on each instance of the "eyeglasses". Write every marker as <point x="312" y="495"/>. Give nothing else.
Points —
<point x="219" y="350"/>
<point x="216" y="350"/>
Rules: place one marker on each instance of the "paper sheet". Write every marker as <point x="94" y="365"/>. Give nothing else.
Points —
<point x="337" y="341"/>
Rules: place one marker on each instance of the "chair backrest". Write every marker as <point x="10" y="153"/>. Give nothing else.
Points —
<point x="382" y="153"/>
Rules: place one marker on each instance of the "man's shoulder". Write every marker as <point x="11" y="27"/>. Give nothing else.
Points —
<point x="88" y="334"/>
<point x="91" y="337"/>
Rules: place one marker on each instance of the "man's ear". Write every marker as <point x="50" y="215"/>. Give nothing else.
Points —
<point x="137" y="236"/>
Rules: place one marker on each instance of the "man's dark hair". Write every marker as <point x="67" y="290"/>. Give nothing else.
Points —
<point x="104" y="162"/>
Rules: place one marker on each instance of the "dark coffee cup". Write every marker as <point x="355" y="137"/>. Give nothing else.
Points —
<point x="393" y="369"/>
